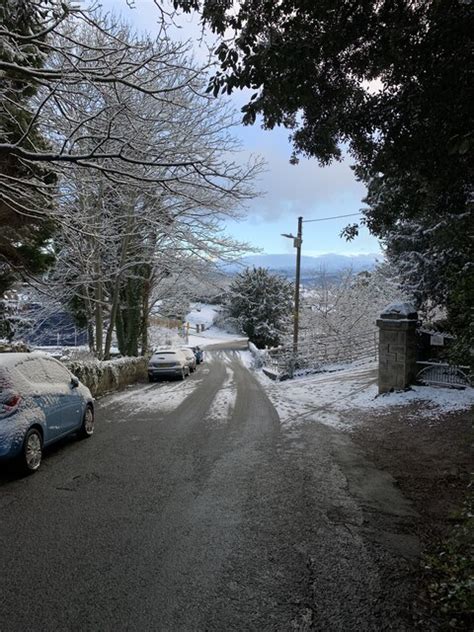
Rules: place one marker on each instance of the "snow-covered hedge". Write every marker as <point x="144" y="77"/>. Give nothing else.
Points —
<point x="111" y="375"/>
<point x="13" y="347"/>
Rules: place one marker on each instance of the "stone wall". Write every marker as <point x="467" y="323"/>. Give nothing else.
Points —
<point x="397" y="347"/>
<point x="111" y="375"/>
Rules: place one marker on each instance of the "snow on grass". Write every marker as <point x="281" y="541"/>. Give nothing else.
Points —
<point x="435" y="399"/>
<point x="202" y="314"/>
<point x="224" y="402"/>
<point x="340" y="399"/>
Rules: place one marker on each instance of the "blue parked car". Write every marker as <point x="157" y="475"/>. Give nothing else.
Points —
<point x="198" y="354"/>
<point x="40" y="403"/>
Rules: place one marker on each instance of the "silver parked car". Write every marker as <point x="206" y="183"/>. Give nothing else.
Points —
<point x="190" y="358"/>
<point x="41" y="401"/>
<point x="171" y="362"/>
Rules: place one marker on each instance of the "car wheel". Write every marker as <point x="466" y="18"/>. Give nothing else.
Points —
<point x="32" y="451"/>
<point x="87" y="427"/>
<point x="151" y="378"/>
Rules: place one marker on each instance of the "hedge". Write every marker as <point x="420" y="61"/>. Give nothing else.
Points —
<point x="110" y="375"/>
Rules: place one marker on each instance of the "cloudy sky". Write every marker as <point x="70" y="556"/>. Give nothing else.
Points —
<point x="305" y="189"/>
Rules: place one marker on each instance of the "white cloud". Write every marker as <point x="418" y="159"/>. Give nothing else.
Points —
<point x="303" y="189"/>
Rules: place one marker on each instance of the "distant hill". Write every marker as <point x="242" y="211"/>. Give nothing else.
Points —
<point x="330" y="263"/>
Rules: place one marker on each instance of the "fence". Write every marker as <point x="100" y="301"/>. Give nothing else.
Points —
<point x="443" y="374"/>
<point x="316" y="351"/>
<point x="167" y="323"/>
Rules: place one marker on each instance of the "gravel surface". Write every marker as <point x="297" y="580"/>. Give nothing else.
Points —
<point x="178" y="519"/>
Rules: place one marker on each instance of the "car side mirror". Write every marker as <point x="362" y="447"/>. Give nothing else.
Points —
<point x="74" y="382"/>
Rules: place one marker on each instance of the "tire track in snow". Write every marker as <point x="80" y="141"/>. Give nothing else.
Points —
<point x="223" y="405"/>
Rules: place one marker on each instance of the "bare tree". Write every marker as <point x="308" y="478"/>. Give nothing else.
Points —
<point x="153" y="220"/>
<point x="97" y="96"/>
<point x="143" y="163"/>
<point x="342" y="314"/>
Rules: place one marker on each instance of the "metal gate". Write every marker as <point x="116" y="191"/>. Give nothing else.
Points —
<point x="442" y="374"/>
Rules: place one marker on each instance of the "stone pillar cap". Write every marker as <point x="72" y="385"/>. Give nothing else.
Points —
<point x="399" y="311"/>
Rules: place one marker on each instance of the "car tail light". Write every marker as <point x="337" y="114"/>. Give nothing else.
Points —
<point x="10" y="403"/>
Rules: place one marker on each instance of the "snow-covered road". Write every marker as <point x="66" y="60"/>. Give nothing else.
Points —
<point x="227" y="502"/>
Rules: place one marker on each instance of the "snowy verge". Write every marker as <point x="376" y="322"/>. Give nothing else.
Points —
<point x="248" y="359"/>
<point x="343" y="399"/>
<point x="110" y="375"/>
<point x="257" y="354"/>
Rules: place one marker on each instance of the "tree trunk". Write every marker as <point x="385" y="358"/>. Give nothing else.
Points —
<point x="98" y="307"/>
<point x="119" y="328"/>
<point x="90" y="337"/>
<point x="112" y="321"/>
<point x="133" y="316"/>
<point x="145" y="312"/>
<point x="116" y="288"/>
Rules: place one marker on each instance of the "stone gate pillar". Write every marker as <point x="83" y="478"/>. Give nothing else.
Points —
<point x="397" y="347"/>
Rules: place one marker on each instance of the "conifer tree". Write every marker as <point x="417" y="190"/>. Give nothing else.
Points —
<point x="261" y="305"/>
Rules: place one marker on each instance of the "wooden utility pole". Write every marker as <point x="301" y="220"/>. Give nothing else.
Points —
<point x="298" y="240"/>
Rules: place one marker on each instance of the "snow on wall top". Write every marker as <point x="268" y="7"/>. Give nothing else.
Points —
<point x="401" y="310"/>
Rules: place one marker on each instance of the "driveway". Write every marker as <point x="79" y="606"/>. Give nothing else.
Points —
<point x="191" y="508"/>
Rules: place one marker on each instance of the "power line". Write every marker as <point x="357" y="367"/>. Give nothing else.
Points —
<point x="322" y="219"/>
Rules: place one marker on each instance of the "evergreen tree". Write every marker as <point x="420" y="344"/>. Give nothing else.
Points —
<point x="261" y="305"/>
<point x="26" y="233"/>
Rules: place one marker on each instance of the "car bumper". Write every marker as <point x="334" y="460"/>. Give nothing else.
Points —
<point x="11" y="438"/>
<point x="167" y="371"/>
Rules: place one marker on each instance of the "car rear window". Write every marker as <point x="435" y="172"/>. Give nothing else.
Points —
<point x="33" y="370"/>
